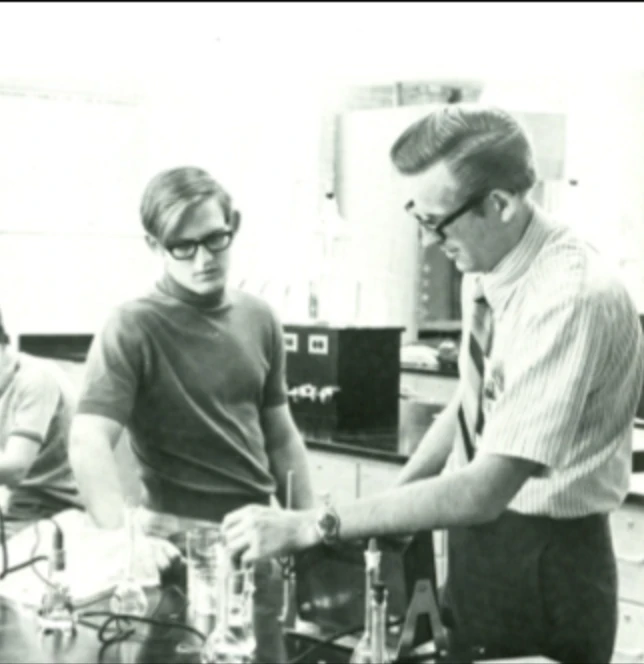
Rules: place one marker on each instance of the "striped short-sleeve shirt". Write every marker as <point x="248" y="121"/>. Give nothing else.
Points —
<point x="565" y="371"/>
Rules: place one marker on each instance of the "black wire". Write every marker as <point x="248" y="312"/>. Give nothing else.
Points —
<point x="27" y="563"/>
<point x="121" y="633"/>
<point x="6" y="570"/>
<point x="325" y="642"/>
<point x="142" y="619"/>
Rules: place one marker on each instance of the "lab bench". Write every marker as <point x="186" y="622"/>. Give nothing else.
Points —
<point x="349" y="472"/>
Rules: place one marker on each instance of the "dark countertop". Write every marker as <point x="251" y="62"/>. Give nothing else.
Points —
<point x="393" y="455"/>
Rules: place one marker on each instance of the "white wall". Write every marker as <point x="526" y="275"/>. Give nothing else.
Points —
<point x="71" y="244"/>
<point x="239" y="90"/>
<point x="604" y="155"/>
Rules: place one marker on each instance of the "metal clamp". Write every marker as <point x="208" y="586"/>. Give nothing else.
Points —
<point x="423" y="603"/>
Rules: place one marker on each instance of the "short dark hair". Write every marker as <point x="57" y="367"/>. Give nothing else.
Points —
<point x="171" y="193"/>
<point x="484" y="147"/>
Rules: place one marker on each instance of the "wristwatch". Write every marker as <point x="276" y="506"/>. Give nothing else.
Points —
<point x="327" y="524"/>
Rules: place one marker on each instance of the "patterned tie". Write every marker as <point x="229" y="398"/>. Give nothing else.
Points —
<point x="470" y="412"/>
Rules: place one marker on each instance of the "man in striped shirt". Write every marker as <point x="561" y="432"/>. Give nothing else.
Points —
<point x="534" y="452"/>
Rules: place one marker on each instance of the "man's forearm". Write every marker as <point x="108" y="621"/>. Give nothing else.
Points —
<point x="292" y="455"/>
<point x="431" y="454"/>
<point x="434" y="503"/>
<point x="95" y="470"/>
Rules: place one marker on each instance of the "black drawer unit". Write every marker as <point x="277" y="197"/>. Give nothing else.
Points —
<point x="344" y="382"/>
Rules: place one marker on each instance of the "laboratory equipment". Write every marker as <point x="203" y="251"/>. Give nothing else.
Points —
<point x="56" y="613"/>
<point x="129" y="597"/>
<point x="203" y="548"/>
<point x="289" y="598"/>
<point x="362" y="651"/>
<point x="378" y="641"/>
<point x="233" y="639"/>
<point x="344" y="382"/>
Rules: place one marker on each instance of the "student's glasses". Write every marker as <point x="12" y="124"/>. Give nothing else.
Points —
<point x="184" y="250"/>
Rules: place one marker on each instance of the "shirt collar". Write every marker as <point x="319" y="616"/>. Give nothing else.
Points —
<point x="499" y="283"/>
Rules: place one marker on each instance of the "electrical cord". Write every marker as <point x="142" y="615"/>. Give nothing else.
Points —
<point x="111" y="617"/>
<point x="6" y="569"/>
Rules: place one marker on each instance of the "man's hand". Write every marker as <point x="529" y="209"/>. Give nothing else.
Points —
<point x="255" y="532"/>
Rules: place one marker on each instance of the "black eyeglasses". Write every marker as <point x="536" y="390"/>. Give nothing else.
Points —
<point x="184" y="250"/>
<point x="437" y="227"/>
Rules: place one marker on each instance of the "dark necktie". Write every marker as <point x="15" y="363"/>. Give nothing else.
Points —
<point x="470" y="412"/>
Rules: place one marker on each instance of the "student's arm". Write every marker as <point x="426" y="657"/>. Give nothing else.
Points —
<point x="286" y="452"/>
<point x="91" y="445"/>
<point x="91" y="455"/>
<point x="112" y="375"/>
<point x="16" y="460"/>
<point x="284" y="445"/>
<point x="34" y="406"/>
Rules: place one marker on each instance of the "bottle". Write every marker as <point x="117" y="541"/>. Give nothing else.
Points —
<point x="362" y="652"/>
<point x="379" y="653"/>
<point x="129" y="597"/>
<point x="314" y="302"/>
<point x="233" y="639"/>
<point x="56" y="613"/>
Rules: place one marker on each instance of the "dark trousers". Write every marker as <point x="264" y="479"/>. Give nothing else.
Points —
<point x="525" y="585"/>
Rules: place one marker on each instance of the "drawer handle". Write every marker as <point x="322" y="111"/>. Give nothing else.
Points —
<point x="632" y="560"/>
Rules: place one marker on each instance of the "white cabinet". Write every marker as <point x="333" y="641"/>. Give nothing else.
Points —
<point x="627" y="525"/>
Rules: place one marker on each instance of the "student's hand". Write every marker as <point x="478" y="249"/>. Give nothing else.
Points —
<point x="152" y="555"/>
<point x="160" y="553"/>
<point x="255" y="532"/>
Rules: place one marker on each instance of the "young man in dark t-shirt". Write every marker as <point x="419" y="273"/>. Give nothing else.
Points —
<point x="196" y="372"/>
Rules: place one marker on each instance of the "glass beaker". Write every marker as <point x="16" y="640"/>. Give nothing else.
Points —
<point x="202" y="549"/>
<point x="129" y="597"/>
<point x="233" y="639"/>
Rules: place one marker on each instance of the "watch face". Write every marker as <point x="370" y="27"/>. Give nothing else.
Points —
<point x="328" y="524"/>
